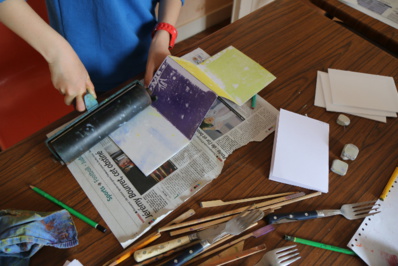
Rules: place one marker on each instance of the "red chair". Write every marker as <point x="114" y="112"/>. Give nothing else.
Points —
<point x="28" y="100"/>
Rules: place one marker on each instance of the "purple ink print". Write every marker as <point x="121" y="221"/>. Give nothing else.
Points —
<point x="180" y="100"/>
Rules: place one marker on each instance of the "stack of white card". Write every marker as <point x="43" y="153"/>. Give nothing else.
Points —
<point x="300" y="156"/>
<point x="370" y="96"/>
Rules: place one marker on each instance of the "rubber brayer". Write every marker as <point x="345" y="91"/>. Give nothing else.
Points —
<point x="98" y="122"/>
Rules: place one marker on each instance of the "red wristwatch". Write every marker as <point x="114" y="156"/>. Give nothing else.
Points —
<point x="170" y="29"/>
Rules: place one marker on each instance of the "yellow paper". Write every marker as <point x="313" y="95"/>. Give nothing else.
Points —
<point x="230" y="74"/>
<point x="201" y="76"/>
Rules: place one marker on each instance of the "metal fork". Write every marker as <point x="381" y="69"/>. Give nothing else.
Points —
<point x="235" y="226"/>
<point x="241" y="222"/>
<point x="279" y="256"/>
<point x="349" y="211"/>
<point x="358" y="210"/>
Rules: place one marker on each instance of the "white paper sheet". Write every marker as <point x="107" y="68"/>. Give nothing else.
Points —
<point x="376" y="240"/>
<point x="323" y="90"/>
<point x="363" y="90"/>
<point x="319" y="96"/>
<point x="301" y="152"/>
<point x="149" y="140"/>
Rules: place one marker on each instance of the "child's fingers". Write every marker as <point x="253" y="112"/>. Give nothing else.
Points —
<point x="90" y="87"/>
<point x="80" y="106"/>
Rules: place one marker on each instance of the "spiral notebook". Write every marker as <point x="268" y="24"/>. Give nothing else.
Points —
<point x="376" y="240"/>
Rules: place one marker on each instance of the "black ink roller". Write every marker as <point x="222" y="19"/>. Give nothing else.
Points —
<point x="98" y="122"/>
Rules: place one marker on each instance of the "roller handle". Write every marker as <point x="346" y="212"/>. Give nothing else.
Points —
<point x="187" y="254"/>
<point x="155" y="250"/>
<point x="274" y="218"/>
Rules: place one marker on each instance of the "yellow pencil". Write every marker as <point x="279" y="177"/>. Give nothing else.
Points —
<point x="389" y="184"/>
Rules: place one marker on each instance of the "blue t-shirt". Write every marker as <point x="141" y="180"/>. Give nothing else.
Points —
<point x="111" y="37"/>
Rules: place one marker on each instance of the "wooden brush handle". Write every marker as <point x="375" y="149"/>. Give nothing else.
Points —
<point x="158" y="249"/>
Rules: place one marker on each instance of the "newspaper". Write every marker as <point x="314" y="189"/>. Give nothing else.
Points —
<point x="131" y="203"/>
<point x="384" y="10"/>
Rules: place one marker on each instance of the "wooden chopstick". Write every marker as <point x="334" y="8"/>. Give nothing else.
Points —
<point x="278" y="205"/>
<point x="205" y="225"/>
<point x="200" y="226"/>
<point x="211" y="249"/>
<point x="228" y="213"/>
<point x="237" y="256"/>
<point x="217" y="203"/>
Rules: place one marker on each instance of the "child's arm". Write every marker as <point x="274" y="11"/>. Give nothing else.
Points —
<point x="168" y="12"/>
<point x="68" y="74"/>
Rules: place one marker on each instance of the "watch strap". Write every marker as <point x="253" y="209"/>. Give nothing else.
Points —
<point x="170" y="29"/>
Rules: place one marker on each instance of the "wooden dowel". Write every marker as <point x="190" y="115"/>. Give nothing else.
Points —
<point x="278" y="205"/>
<point x="182" y="217"/>
<point x="205" y="225"/>
<point x="211" y="250"/>
<point x="237" y="256"/>
<point x="200" y="226"/>
<point x="217" y="203"/>
<point x="228" y="213"/>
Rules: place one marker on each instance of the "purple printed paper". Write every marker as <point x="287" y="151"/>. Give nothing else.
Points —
<point x="182" y="99"/>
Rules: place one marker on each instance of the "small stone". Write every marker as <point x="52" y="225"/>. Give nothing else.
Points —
<point x="343" y="120"/>
<point x="339" y="167"/>
<point x="350" y="152"/>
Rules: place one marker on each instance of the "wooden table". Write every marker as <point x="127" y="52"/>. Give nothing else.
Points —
<point x="367" y="26"/>
<point x="293" y="42"/>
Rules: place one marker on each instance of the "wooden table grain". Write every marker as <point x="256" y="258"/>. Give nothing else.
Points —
<point x="373" y="29"/>
<point x="293" y="42"/>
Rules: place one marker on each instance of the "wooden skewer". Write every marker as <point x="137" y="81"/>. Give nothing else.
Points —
<point x="269" y="208"/>
<point x="200" y="226"/>
<point x="226" y="252"/>
<point x="183" y="217"/>
<point x="207" y="252"/>
<point x="278" y="205"/>
<point x="217" y="203"/>
<point x="228" y="213"/>
<point x="205" y="225"/>
<point x="237" y="256"/>
<point x="145" y="241"/>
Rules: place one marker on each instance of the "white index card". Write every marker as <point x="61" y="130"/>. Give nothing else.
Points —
<point x="301" y="152"/>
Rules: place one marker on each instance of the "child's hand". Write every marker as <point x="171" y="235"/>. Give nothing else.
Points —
<point x="157" y="53"/>
<point x="70" y="78"/>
